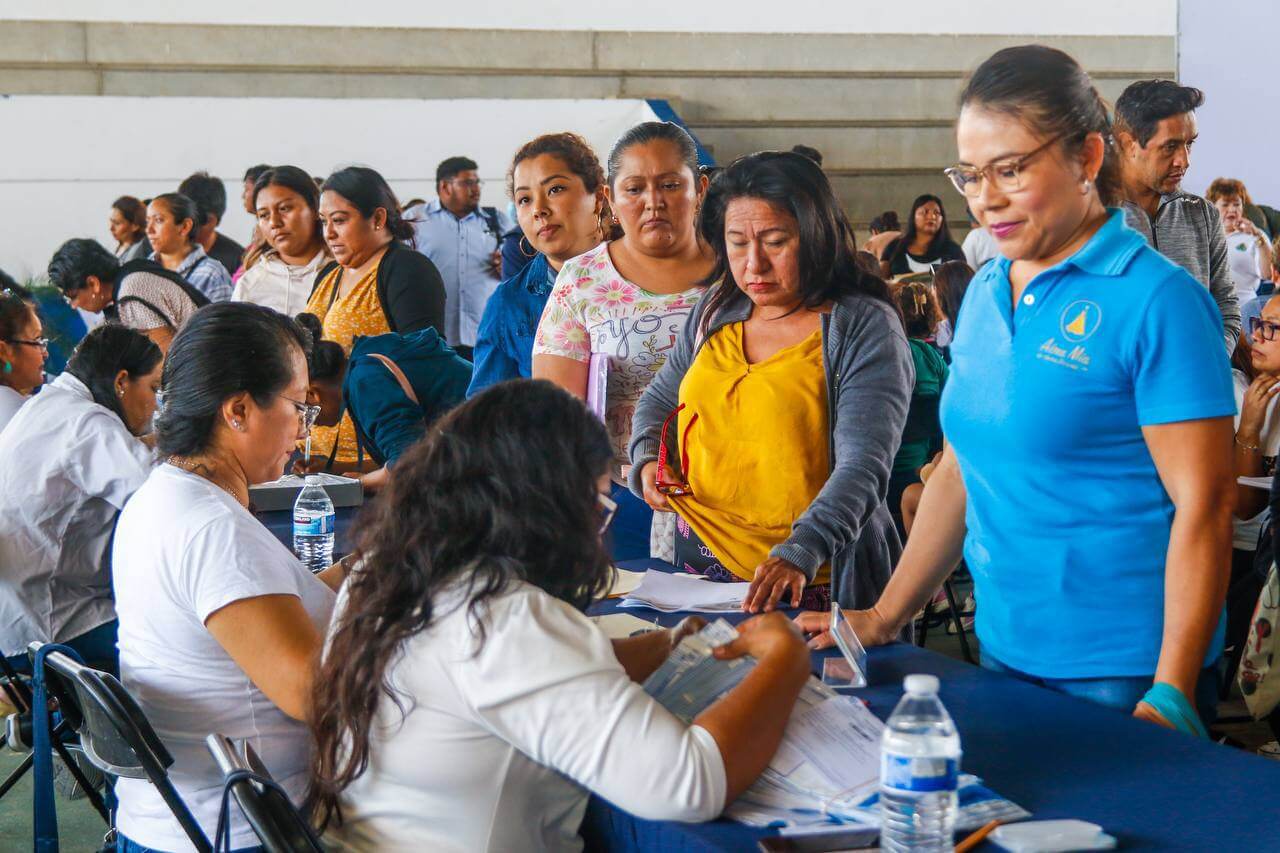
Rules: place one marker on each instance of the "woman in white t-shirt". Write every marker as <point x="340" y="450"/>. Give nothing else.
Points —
<point x="627" y="300"/>
<point x="220" y="625"/>
<point x="1248" y="249"/>
<point x="69" y="460"/>
<point x="22" y="353"/>
<point x="466" y="703"/>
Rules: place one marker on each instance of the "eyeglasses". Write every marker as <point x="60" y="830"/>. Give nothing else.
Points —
<point x="469" y="183"/>
<point x="307" y="413"/>
<point x="42" y="343"/>
<point x="608" y="509"/>
<point x="1264" y="329"/>
<point x="1005" y="175"/>
<point x="680" y="490"/>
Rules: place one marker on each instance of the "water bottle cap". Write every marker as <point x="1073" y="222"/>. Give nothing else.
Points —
<point x="921" y="685"/>
<point x="312" y="480"/>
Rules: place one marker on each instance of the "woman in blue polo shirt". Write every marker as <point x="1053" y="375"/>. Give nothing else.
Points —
<point x="1087" y="478"/>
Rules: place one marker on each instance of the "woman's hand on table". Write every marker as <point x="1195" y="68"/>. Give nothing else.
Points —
<point x="867" y="625"/>
<point x="771" y="580"/>
<point x="768" y="636"/>
<point x="656" y="500"/>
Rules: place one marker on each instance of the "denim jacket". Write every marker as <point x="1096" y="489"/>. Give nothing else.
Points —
<point x="504" y="341"/>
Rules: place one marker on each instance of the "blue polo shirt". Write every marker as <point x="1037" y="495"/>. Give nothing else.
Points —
<point x="1068" y="523"/>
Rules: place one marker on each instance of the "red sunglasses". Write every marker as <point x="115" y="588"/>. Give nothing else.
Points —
<point x="680" y="490"/>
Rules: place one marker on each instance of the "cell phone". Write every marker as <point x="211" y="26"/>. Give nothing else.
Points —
<point x="850" y="838"/>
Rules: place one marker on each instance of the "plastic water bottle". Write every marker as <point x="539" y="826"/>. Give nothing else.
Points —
<point x="313" y="523"/>
<point x="919" y="768"/>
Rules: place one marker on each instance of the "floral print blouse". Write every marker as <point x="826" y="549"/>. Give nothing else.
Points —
<point x="593" y="309"/>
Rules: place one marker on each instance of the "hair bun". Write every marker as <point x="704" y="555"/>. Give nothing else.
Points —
<point x="311" y="323"/>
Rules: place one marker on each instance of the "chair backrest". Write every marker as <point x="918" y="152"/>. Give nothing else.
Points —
<point x="278" y="825"/>
<point x="115" y="734"/>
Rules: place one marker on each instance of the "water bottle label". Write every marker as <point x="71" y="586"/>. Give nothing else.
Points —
<point x="919" y="775"/>
<point x="313" y="525"/>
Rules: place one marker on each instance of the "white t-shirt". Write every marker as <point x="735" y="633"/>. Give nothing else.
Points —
<point x="1245" y="531"/>
<point x="500" y="742"/>
<point x="1244" y="256"/>
<point x="183" y="550"/>
<point x="10" y="402"/>
<point x="979" y="247"/>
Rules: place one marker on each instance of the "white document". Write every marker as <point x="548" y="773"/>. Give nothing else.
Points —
<point x="840" y="739"/>
<point x="624" y="582"/>
<point x="673" y="592"/>
<point x="619" y="626"/>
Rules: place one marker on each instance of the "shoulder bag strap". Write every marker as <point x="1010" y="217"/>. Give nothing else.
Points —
<point x="399" y="376"/>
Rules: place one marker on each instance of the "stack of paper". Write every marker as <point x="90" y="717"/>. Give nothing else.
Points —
<point x="619" y="626"/>
<point x="624" y="581"/>
<point x="827" y="768"/>
<point x="670" y="592"/>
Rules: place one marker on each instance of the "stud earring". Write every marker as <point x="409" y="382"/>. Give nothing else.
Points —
<point x="8" y="368"/>
<point x="235" y="424"/>
<point x="1084" y="189"/>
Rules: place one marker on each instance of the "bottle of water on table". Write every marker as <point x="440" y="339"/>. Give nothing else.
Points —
<point x="919" y="767"/>
<point x="313" y="524"/>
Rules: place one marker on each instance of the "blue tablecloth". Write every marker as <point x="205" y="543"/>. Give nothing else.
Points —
<point x="1056" y="756"/>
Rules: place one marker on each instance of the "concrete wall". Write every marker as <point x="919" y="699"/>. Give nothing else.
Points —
<point x="879" y="105"/>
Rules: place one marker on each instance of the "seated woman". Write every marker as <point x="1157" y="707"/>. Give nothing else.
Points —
<point x="559" y="190"/>
<point x="69" y="461"/>
<point x="790" y="385"/>
<point x="392" y="387"/>
<point x="171" y="226"/>
<point x="950" y="282"/>
<point x="23" y="352"/>
<point x="220" y="625"/>
<point x="922" y="435"/>
<point x="466" y="703"/>
<point x="926" y="241"/>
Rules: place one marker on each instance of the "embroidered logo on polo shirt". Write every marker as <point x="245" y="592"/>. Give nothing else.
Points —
<point x="1080" y="320"/>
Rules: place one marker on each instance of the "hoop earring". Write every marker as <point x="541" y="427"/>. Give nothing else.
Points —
<point x="532" y="253"/>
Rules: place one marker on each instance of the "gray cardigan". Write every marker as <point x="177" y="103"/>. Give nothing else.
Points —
<point x="869" y="376"/>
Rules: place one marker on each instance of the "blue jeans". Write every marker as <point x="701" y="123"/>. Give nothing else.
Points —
<point x="124" y="845"/>
<point x="1120" y="692"/>
<point x="96" y="647"/>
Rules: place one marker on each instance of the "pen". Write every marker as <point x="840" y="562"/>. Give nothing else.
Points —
<point x="974" y="840"/>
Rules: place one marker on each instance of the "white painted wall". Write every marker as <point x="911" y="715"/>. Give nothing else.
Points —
<point x="997" y="17"/>
<point x="67" y="158"/>
<point x="1227" y="49"/>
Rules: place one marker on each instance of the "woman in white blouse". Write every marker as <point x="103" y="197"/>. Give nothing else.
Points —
<point x="220" y="625"/>
<point x="466" y="703"/>
<point x="22" y="353"/>
<point x="69" y="460"/>
<point x="280" y="275"/>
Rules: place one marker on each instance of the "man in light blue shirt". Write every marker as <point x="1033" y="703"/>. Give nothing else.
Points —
<point x="463" y="240"/>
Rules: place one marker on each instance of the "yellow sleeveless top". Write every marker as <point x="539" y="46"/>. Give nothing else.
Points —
<point x="758" y="453"/>
<point x="342" y="320"/>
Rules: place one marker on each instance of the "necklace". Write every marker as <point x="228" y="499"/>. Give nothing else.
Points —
<point x="201" y="470"/>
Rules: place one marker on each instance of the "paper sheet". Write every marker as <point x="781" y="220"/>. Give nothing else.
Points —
<point x="624" y="582"/>
<point x="840" y="738"/>
<point x="670" y="593"/>
<point x="619" y="626"/>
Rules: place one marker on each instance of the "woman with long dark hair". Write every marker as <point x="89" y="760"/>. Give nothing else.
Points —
<point x="1087" y="476"/>
<point x="926" y="241"/>
<point x="464" y="700"/>
<point x="68" y="462"/>
<point x="375" y="284"/>
<point x="785" y="393"/>
<point x="280" y="269"/>
<point x="950" y="283"/>
<point x="558" y="187"/>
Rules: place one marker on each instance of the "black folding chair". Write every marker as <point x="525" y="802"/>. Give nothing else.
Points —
<point x="278" y="825"/>
<point x="954" y="614"/>
<point x="115" y="735"/>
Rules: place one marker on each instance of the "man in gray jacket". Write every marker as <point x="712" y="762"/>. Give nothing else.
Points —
<point x="1155" y="128"/>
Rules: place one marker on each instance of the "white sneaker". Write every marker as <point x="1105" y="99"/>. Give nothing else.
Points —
<point x="1270" y="750"/>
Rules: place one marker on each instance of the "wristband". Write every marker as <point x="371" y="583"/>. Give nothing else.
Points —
<point x="1169" y="703"/>
<point x="1252" y="448"/>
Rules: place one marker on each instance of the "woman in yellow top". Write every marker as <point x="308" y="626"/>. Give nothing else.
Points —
<point x="790" y="387"/>
<point x="375" y="285"/>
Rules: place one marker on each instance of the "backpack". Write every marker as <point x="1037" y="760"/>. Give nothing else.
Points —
<point x="149" y="266"/>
